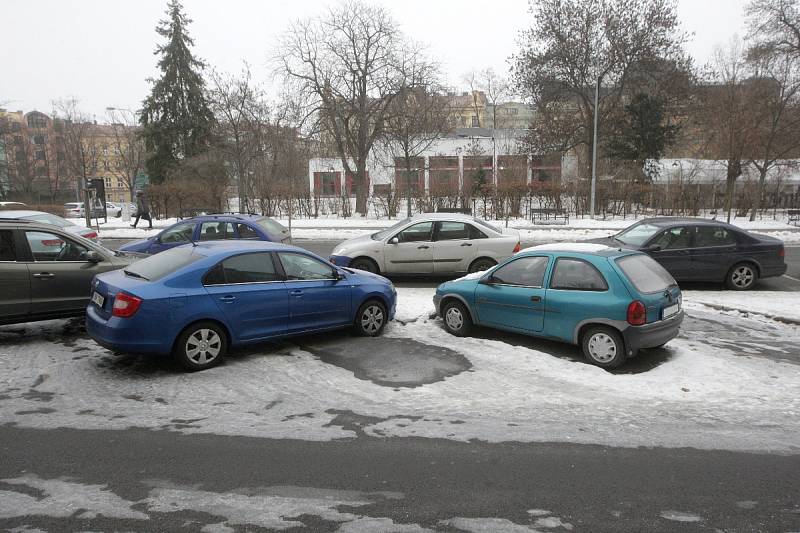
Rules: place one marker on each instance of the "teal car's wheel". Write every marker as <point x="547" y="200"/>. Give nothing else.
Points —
<point x="456" y="318"/>
<point x="201" y="346"/>
<point x="604" y="347"/>
<point x="371" y="319"/>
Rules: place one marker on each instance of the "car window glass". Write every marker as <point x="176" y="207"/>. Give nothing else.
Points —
<point x="577" y="275"/>
<point x="416" y="233"/>
<point x="7" y="252"/>
<point x="302" y="267"/>
<point x="216" y="230"/>
<point x="637" y="234"/>
<point x="271" y="226"/>
<point x="246" y="232"/>
<point x="673" y="239"/>
<point x="249" y="268"/>
<point x="645" y="273"/>
<point x="475" y="233"/>
<point x="451" y="231"/>
<point x="713" y="236"/>
<point x="162" y="264"/>
<point x="51" y="247"/>
<point x="178" y="233"/>
<point x="525" y="271"/>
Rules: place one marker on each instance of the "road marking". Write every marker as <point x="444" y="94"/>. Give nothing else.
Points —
<point x="791" y="278"/>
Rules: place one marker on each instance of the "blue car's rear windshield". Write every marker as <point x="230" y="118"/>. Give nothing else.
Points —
<point x="271" y="226"/>
<point x="645" y="273"/>
<point x="157" y="266"/>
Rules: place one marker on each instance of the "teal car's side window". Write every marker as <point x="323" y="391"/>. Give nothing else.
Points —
<point x="524" y="272"/>
<point x="573" y="274"/>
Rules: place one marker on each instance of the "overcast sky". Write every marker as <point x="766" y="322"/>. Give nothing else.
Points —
<point x="101" y="51"/>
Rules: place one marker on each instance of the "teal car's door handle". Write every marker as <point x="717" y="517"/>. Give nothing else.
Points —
<point x="536" y="298"/>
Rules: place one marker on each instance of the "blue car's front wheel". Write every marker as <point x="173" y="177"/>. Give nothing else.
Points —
<point x="201" y="345"/>
<point x="371" y="318"/>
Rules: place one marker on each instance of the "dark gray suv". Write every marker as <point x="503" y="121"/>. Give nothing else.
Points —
<point x="46" y="272"/>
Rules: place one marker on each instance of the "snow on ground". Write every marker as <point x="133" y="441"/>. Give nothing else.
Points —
<point x="696" y="394"/>
<point x="336" y="228"/>
<point x="771" y="304"/>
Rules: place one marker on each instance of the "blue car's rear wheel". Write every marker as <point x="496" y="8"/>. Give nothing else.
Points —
<point x="201" y="345"/>
<point x="371" y="318"/>
<point x="604" y="347"/>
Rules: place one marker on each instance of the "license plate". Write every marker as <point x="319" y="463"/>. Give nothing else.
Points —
<point x="671" y="310"/>
<point x="98" y="299"/>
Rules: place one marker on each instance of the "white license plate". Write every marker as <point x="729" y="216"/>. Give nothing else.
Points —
<point x="671" y="310"/>
<point x="98" y="299"/>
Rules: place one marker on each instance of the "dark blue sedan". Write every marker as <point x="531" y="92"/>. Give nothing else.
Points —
<point x="195" y="301"/>
<point x="211" y="228"/>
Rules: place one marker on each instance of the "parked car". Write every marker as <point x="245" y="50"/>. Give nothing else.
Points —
<point x="49" y="218"/>
<point x="195" y="301"/>
<point x="114" y="209"/>
<point x="46" y="272"/>
<point x="696" y="249"/>
<point x="433" y="243"/>
<point x="76" y="210"/>
<point x="612" y="302"/>
<point x="12" y="206"/>
<point x="211" y="228"/>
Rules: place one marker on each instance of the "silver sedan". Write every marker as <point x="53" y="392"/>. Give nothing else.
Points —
<point x="434" y="243"/>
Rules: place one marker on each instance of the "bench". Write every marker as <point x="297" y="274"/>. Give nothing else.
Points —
<point x="549" y="216"/>
<point x="462" y="210"/>
<point x="794" y="216"/>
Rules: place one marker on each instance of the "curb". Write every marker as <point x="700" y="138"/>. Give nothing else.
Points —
<point x="777" y="318"/>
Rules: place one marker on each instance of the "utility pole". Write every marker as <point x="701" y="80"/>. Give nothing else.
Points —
<point x="594" y="148"/>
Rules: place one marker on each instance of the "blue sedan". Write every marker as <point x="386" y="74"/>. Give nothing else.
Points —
<point x="211" y="228"/>
<point x="195" y="301"/>
<point x="610" y="301"/>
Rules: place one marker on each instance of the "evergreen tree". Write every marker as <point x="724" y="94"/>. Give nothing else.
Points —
<point x="644" y="134"/>
<point x="176" y="119"/>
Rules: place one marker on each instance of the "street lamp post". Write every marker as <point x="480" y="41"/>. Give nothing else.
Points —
<point x="594" y="148"/>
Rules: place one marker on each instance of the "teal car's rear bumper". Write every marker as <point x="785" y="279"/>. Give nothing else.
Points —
<point x="652" y="335"/>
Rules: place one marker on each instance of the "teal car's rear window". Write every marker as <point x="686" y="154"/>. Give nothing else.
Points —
<point x="162" y="264"/>
<point x="645" y="273"/>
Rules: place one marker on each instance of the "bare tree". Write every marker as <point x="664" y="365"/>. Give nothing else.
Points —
<point x="243" y="120"/>
<point x="497" y="90"/>
<point x="578" y="47"/>
<point x="345" y="65"/>
<point x="725" y="112"/>
<point x="128" y="147"/>
<point x="419" y="115"/>
<point x="775" y="25"/>
<point x="81" y="153"/>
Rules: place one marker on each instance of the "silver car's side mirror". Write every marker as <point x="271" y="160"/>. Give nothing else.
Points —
<point x="394" y="240"/>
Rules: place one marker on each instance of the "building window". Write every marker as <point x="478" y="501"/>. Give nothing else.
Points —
<point x="18" y="140"/>
<point x="38" y="139"/>
<point x="108" y="183"/>
<point x="41" y="171"/>
<point x="40" y="155"/>
<point x="475" y="122"/>
<point x="328" y="183"/>
<point x="106" y="166"/>
<point x="61" y="156"/>
<point x="120" y="183"/>
<point x="20" y="156"/>
<point x="15" y="126"/>
<point x="37" y="121"/>
<point x="105" y="150"/>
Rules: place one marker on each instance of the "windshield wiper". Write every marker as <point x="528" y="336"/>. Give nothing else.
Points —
<point x="135" y="275"/>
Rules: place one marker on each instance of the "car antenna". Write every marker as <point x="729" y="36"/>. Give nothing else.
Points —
<point x="194" y="244"/>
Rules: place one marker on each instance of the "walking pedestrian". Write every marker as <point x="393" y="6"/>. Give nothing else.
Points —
<point x="142" y="210"/>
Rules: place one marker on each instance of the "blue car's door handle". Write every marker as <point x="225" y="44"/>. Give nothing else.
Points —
<point x="228" y="299"/>
<point x="296" y="292"/>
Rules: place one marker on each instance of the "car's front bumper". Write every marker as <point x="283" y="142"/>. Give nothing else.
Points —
<point x="652" y="335"/>
<point x="340" y="260"/>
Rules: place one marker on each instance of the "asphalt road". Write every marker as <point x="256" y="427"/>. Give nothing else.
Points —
<point x="174" y="482"/>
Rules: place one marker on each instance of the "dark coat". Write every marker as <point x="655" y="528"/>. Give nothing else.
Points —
<point x="142" y="207"/>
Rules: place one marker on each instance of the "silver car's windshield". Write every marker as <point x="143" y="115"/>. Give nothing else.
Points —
<point x="388" y="231"/>
<point x="638" y="234"/>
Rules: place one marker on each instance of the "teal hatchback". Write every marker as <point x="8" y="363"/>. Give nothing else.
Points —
<point x="610" y="301"/>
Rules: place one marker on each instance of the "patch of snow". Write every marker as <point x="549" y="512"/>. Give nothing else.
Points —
<point x="384" y="525"/>
<point x="552" y="522"/>
<point x="471" y="275"/>
<point x="539" y="512"/>
<point x="486" y="525"/>
<point x="768" y="303"/>
<point x="567" y="247"/>
<point x="64" y="498"/>
<point x="679" y="516"/>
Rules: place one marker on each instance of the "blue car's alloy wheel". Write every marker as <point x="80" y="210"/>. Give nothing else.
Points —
<point x="201" y="346"/>
<point x="371" y="318"/>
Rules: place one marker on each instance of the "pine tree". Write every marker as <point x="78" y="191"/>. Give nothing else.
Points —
<point x="176" y="119"/>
